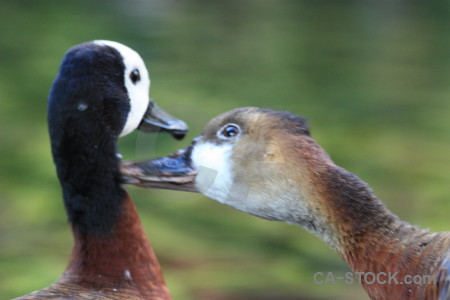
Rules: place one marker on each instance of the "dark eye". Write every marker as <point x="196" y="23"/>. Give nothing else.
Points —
<point x="135" y="76"/>
<point x="229" y="131"/>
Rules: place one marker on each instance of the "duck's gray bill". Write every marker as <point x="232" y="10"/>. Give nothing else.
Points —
<point x="155" y="119"/>
<point x="173" y="172"/>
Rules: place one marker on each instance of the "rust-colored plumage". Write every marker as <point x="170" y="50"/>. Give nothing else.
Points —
<point x="272" y="168"/>
<point x="120" y="266"/>
<point x="409" y="261"/>
<point x="441" y="277"/>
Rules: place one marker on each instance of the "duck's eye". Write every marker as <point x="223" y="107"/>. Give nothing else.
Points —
<point x="229" y="131"/>
<point x="135" y="76"/>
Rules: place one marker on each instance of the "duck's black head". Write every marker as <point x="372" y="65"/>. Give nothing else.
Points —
<point x="100" y="93"/>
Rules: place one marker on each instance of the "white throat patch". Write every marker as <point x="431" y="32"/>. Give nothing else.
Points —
<point x="213" y="162"/>
<point x="139" y="92"/>
<point x="272" y="198"/>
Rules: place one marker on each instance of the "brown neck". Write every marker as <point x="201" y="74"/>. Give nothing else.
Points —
<point x="123" y="260"/>
<point x="372" y="239"/>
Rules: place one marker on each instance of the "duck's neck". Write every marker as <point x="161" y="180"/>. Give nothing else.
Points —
<point x="121" y="260"/>
<point x="91" y="184"/>
<point x="111" y="251"/>
<point x="372" y="239"/>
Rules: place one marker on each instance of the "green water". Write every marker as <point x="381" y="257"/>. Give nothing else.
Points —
<point x="372" y="76"/>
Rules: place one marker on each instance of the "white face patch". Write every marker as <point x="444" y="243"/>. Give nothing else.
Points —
<point x="214" y="166"/>
<point x="137" y="92"/>
<point x="269" y="189"/>
<point x="216" y="180"/>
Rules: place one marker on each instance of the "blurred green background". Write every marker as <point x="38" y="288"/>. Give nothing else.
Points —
<point x="373" y="77"/>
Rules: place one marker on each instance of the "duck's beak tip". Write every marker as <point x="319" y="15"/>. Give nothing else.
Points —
<point x="179" y="136"/>
<point x="178" y="129"/>
<point x="155" y="119"/>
